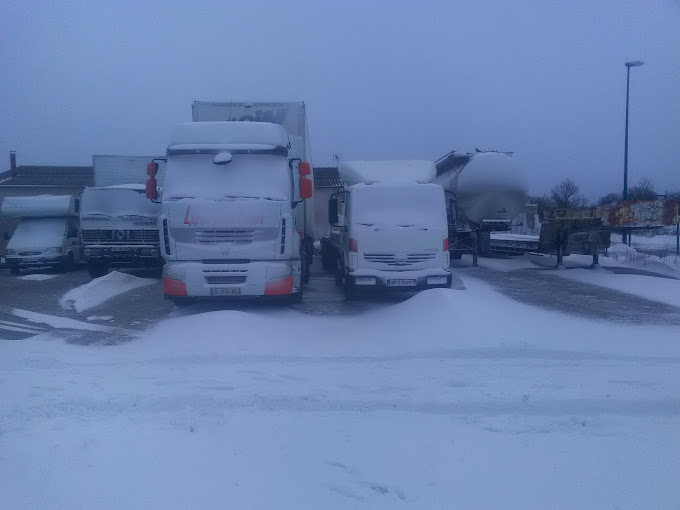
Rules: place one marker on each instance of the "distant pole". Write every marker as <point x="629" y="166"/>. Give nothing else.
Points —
<point x="635" y="63"/>
<point x="677" y="240"/>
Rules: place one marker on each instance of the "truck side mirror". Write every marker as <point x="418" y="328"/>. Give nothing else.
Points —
<point x="151" y="169"/>
<point x="333" y="211"/>
<point x="306" y="187"/>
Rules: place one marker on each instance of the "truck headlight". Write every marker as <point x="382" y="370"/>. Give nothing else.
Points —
<point x="54" y="250"/>
<point x="10" y="252"/>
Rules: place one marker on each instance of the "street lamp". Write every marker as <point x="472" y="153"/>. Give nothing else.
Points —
<point x="634" y="63"/>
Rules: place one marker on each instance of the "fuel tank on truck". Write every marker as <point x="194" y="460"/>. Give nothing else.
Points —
<point x="487" y="185"/>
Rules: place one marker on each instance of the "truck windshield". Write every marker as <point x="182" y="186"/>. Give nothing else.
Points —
<point x="117" y="203"/>
<point x="247" y="176"/>
<point x="416" y="205"/>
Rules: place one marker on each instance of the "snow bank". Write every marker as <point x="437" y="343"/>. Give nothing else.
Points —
<point x="355" y="172"/>
<point x="101" y="289"/>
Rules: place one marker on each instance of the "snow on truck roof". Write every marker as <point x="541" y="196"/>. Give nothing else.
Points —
<point x="220" y="135"/>
<point x="356" y="172"/>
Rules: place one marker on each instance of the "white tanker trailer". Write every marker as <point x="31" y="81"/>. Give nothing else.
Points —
<point x="485" y="191"/>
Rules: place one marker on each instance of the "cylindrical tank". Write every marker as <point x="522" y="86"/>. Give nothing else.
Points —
<point x="491" y="186"/>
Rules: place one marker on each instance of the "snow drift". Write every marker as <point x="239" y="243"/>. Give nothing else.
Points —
<point x="101" y="289"/>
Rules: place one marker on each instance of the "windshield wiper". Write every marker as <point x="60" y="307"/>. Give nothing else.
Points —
<point x="97" y="214"/>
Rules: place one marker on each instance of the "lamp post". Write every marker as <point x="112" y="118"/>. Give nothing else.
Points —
<point x="634" y="63"/>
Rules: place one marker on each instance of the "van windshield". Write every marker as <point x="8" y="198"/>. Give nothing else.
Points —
<point x="417" y="205"/>
<point x="39" y="228"/>
<point x="247" y="176"/>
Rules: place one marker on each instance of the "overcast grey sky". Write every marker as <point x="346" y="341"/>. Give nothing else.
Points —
<point x="390" y="79"/>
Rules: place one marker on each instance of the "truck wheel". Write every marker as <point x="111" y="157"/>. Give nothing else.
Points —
<point x="456" y="255"/>
<point x="296" y="298"/>
<point x="15" y="270"/>
<point x="97" y="269"/>
<point x="350" y="290"/>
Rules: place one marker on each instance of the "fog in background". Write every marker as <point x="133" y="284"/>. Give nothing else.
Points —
<point x="402" y="79"/>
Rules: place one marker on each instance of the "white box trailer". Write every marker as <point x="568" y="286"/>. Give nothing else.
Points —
<point x="293" y="117"/>
<point x="112" y="170"/>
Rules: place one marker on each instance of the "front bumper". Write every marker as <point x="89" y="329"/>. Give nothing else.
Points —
<point x="196" y="279"/>
<point x="33" y="260"/>
<point x="122" y="254"/>
<point x="370" y="280"/>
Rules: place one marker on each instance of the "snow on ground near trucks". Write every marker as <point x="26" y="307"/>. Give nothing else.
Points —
<point x="663" y="290"/>
<point x="423" y="404"/>
<point x="38" y="277"/>
<point x="101" y="289"/>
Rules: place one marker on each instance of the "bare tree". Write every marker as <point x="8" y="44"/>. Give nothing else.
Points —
<point x="567" y="195"/>
<point x="543" y="202"/>
<point x="609" y="198"/>
<point x="643" y="190"/>
<point x="673" y="195"/>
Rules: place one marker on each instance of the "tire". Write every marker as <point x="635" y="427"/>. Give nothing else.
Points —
<point x="15" y="270"/>
<point x="97" y="269"/>
<point x="456" y="255"/>
<point x="350" y="290"/>
<point x="296" y="298"/>
<point x="181" y="300"/>
<point x="69" y="262"/>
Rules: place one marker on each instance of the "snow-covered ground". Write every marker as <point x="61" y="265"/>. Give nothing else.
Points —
<point x="101" y="289"/>
<point x="454" y="398"/>
<point x="38" y="277"/>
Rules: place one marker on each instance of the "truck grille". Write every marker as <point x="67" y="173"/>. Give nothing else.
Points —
<point x="394" y="259"/>
<point x="137" y="236"/>
<point x="214" y="236"/>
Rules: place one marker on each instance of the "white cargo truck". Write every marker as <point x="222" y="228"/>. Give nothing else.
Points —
<point x="388" y="228"/>
<point x="47" y="234"/>
<point x="228" y="205"/>
<point x="293" y="117"/>
<point x="119" y="225"/>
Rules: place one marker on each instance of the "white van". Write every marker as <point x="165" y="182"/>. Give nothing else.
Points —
<point x="47" y="234"/>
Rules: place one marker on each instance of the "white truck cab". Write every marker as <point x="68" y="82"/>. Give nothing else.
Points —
<point x="47" y="234"/>
<point x="389" y="232"/>
<point x="228" y="212"/>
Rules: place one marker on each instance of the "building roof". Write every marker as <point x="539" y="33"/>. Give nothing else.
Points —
<point x="327" y="177"/>
<point x="71" y="176"/>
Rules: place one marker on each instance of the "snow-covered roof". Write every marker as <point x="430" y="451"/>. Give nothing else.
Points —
<point x="40" y="206"/>
<point x="229" y="133"/>
<point x="354" y="172"/>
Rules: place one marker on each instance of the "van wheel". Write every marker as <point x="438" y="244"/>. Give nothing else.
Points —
<point x="296" y="298"/>
<point x="15" y="270"/>
<point x="97" y="269"/>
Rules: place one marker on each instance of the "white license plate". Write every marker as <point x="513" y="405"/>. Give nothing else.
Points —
<point x="226" y="291"/>
<point x="119" y="248"/>
<point x="401" y="283"/>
